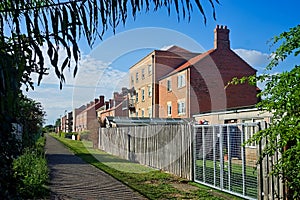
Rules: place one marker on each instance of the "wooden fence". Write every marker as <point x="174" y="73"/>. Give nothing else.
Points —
<point x="165" y="147"/>
<point x="269" y="187"/>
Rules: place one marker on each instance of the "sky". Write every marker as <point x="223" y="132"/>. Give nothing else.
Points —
<point x="104" y="68"/>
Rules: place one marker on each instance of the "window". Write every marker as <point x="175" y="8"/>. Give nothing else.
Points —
<point x="137" y="97"/>
<point x="169" y="85"/>
<point x="149" y="69"/>
<point x="137" y="114"/>
<point x="149" y="91"/>
<point x="132" y="80"/>
<point x="136" y="77"/>
<point x="150" y="112"/>
<point x="181" y="107"/>
<point x="143" y="94"/>
<point x="169" y="109"/>
<point x="181" y="80"/>
<point x="143" y="74"/>
<point x="143" y="112"/>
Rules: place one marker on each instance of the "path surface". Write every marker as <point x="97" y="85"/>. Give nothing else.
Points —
<point x="72" y="178"/>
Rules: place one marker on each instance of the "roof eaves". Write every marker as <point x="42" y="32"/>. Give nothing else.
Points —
<point x="190" y="62"/>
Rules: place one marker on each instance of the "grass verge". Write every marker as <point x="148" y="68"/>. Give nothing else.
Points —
<point x="151" y="183"/>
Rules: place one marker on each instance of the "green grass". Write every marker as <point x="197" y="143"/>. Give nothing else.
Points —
<point x="235" y="175"/>
<point x="151" y="183"/>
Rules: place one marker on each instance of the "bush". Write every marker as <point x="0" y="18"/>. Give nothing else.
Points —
<point x="68" y="135"/>
<point x="31" y="171"/>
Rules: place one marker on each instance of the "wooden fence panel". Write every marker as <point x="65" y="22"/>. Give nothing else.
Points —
<point x="165" y="147"/>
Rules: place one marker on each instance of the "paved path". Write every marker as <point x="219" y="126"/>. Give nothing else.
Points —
<point x="72" y="178"/>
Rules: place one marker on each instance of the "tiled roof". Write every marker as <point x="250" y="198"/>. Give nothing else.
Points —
<point x="191" y="61"/>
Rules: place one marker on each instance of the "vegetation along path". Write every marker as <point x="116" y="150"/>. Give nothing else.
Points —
<point x="72" y="178"/>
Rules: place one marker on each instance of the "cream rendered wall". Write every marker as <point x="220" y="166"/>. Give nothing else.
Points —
<point x="142" y="84"/>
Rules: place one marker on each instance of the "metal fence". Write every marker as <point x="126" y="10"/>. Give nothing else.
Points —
<point x="222" y="161"/>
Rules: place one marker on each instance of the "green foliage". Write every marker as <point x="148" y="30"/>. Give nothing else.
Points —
<point x="281" y="96"/>
<point x="31" y="171"/>
<point x="28" y="25"/>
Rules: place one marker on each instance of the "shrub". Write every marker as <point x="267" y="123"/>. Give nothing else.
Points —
<point x="31" y="171"/>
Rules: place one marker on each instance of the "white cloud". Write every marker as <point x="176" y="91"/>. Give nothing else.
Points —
<point x="94" y="78"/>
<point x="255" y="58"/>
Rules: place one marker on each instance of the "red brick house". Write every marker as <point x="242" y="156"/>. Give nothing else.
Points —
<point x="86" y="120"/>
<point x="198" y="85"/>
<point x="118" y="106"/>
<point x="145" y="76"/>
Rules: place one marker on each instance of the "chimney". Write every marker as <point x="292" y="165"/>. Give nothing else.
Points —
<point x="221" y="37"/>
<point x="92" y="103"/>
<point x="101" y="99"/>
<point x="124" y="91"/>
<point x="116" y="94"/>
<point x="111" y="103"/>
<point x="106" y="105"/>
<point x="96" y="101"/>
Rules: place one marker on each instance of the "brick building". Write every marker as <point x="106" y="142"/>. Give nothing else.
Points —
<point x="87" y="118"/>
<point x="198" y="85"/>
<point x="145" y="76"/>
<point x="117" y="106"/>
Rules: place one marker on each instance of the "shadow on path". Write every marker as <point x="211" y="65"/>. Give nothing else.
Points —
<point x="72" y="178"/>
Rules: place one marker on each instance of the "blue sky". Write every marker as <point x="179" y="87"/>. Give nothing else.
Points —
<point x="103" y="69"/>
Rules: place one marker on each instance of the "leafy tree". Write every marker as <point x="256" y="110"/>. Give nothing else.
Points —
<point x="26" y="27"/>
<point x="31" y="117"/>
<point x="281" y="96"/>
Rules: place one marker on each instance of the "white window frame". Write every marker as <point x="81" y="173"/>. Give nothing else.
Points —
<point x="137" y="97"/>
<point x="149" y="69"/>
<point x="143" y="94"/>
<point x="169" y="85"/>
<point x="181" y="80"/>
<point x="143" y="112"/>
<point x="143" y="74"/>
<point x="169" y="108"/>
<point x="150" y="112"/>
<point x="181" y="107"/>
<point x="136" y="77"/>
<point x="149" y="90"/>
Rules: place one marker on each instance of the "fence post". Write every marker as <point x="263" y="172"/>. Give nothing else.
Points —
<point x="260" y="174"/>
<point x="204" y="153"/>
<point x="99" y="137"/>
<point x="193" y="151"/>
<point x="128" y="147"/>
<point x="221" y="158"/>
<point x="243" y="134"/>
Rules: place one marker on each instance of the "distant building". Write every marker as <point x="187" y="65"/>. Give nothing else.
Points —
<point x="86" y="120"/>
<point x="118" y="106"/>
<point x="75" y="113"/>
<point x="199" y="85"/>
